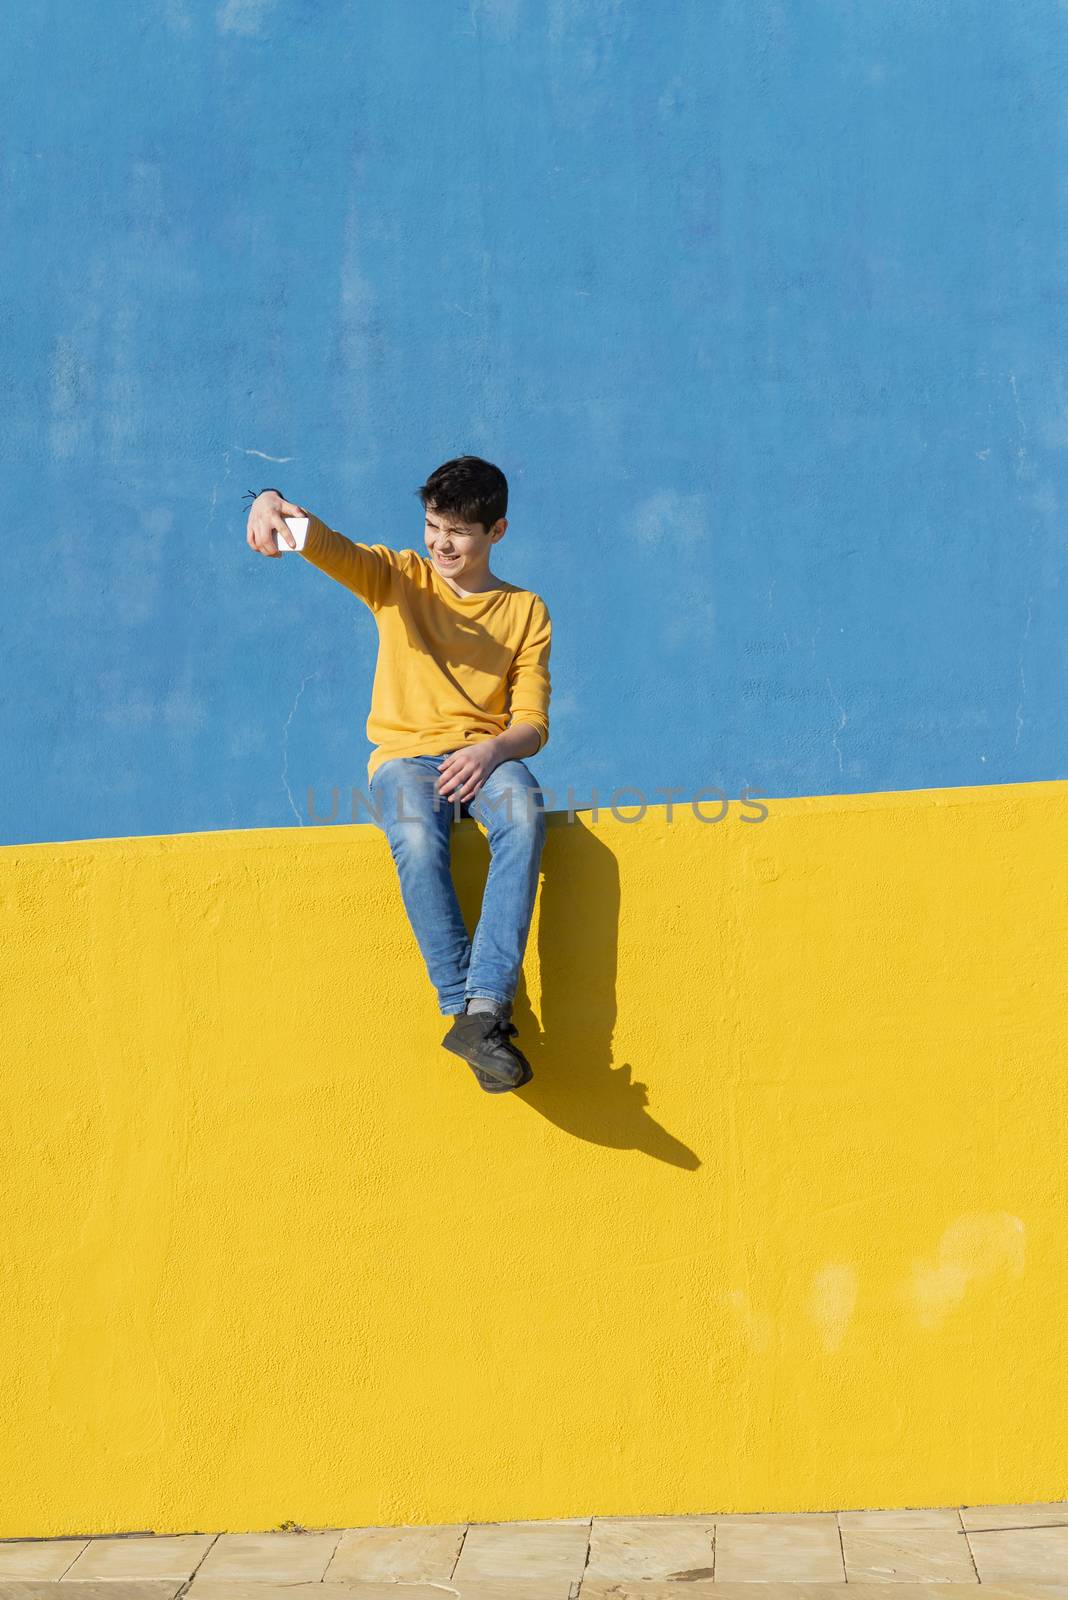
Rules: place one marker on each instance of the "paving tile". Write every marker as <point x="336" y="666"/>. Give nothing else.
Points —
<point x="651" y="1547"/>
<point x="509" y="1589"/>
<point x="1012" y="1589"/>
<point x="471" y="1589"/>
<point x="945" y="1517"/>
<point x="153" y="1556"/>
<point x="634" y="1589"/>
<point x="784" y="1552"/>
<point x="654" y="1589"/>
<point x="523" y="1550"/>
<point x="91" y="1589"/>
<point x="1036" y="1552"/>
<point x="393" y="1554"/>
<point x="1016" y="1589"/>
<point x="39" y="1558"/>
<point x="811" y="1519"/>
<point x="1033" y="1515"/>
<point x="697" y="1519"/>
<point x="283" y="1557"/>
<point x="908" y="1555"/>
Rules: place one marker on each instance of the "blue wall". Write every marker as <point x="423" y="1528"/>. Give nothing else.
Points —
<point x="760" y="307"/>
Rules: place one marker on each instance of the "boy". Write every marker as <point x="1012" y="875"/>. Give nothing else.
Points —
<point x="460" y="697"/>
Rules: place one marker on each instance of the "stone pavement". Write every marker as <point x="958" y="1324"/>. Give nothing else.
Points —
<point x="1013" y="1552"/>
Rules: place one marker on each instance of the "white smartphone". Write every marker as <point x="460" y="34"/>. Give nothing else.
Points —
<point x="298" y="527"/>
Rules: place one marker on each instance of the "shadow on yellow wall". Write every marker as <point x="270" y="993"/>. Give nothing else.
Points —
<point x="577" y="939"/>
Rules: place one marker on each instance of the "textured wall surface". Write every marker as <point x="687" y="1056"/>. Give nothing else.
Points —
<point x="759" y="305"/>
<point x="778" y="1225"/>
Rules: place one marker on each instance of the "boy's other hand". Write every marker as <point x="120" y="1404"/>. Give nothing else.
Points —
<point x="463" y="772"/>
<point x="266" y="523"/>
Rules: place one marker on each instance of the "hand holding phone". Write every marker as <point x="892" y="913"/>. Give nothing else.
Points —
<point x="269" y="519"/>
<point x="298" y="527"/>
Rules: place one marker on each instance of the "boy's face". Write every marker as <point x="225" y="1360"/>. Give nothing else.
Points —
<point x="458" y="549"/>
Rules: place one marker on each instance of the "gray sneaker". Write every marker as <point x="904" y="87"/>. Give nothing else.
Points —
<point x="481" y="1038"/>
<point x="502" y="1088"/>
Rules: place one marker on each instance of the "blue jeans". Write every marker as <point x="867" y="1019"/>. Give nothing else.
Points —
<point x="418" y="824"/>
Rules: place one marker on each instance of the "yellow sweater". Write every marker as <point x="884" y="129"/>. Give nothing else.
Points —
<point x="452" y="669"/>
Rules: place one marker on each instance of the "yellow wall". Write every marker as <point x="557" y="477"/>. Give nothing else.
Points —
<point x="779" y="1225"/>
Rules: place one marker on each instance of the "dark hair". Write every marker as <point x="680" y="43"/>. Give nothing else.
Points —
<point x="472" y="489"/>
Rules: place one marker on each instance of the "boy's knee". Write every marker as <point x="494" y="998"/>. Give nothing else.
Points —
<point x="517" y="804"/>
<point x="416" y="841"/>
<point x="402" y="797"/>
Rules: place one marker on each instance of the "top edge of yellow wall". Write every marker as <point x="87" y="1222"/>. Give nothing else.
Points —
<point x="282" y="837"/>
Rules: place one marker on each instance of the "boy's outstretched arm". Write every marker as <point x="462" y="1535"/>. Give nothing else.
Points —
<point x="366" y="569"/>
